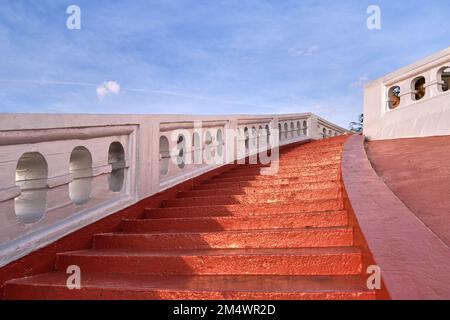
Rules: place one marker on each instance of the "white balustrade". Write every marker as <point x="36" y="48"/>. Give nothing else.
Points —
<point x="59" y="173"/>
<point x="411" y="102"/>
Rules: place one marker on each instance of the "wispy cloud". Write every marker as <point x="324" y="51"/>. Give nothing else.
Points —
<point x="304" y="52"/>
<point x="112" y="87"/>
<point x="42" y="82"/>
<point x="195" y="97"/>
<point x="360" y="82"/>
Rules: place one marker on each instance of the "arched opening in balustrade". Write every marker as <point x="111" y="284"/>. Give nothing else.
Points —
<point x="181" y="147"/>
<point x="324" y="132"/>
<point x="286" y="129"/>
<point x="208" y="145"/>
<point x="164" y="155"/>
<point x="292" y="129"/>
<point x="196" y="148"/>
<point x="299" y="129"/>
<point x="394" y="97"/>
<point x="31" y="178"/>
<point x="247" y="139"/>
<point x="418" y="86"/>
<point x="305" y="128"/>
<point x="280" y="133"/>
<point x="80" y="167"/>
<point x="444" y="79"/>
<point x="116" y="158"/>
<point x="219" y="138"/>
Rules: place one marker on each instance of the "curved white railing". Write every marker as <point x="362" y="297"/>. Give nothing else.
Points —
<point x="411" y="102"/>
<point x="59" y="173"/>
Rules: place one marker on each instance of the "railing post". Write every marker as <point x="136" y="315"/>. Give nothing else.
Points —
<point x="231" y="140"/>
<point x="434" y="88"/>
<point x="313" y="128"/>
<point x="274" y="130"/>
<point x="152" y="161"/>
<point x="405" y="93"/>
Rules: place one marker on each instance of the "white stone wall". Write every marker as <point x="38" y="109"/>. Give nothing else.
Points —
<point x="54" y="137"/>
<point x="429" y="116"/>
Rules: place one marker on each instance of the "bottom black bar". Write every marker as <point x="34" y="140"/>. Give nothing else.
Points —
<point x="172" y="310"/>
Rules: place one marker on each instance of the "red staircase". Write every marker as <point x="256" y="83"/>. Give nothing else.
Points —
<point x="239" y="235"/>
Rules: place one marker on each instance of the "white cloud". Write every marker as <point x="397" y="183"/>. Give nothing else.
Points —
<point x="102" y="91"/>
<point x="360" y="82"/>
<point x="108" y="87"/>
<point x="304" y="52"/>
<point x="113" y="87"/>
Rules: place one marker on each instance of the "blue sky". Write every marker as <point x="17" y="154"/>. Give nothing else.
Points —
<point x="208" y="57"/>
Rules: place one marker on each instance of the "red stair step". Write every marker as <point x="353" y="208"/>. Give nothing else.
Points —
<point x="316" y="176"/>
<point x="247" y="210"/>
<point x="316" y="219"/>
<point x="281" y="173"/>
<point x="310" y="156"/>
<point x="313" y="151"/>
<point x="291" y="163"/>
<point x="281" y="238"/>
<point x="275" y="183"/>
<point x="101" y="286"/>
<point x="253" y="199"/>
<point x="304" y="261"/>
<point x="282" y="170"/>
<point x="271" y="180"/>
<point x="233" y="190"/>
<point x="318" y="145"/>
<point x="294" y="162"/>
<point x="208" y="185"/>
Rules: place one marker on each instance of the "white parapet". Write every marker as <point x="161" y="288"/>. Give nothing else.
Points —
<point x="411" y="102"/>
<point x="59" y="173"/>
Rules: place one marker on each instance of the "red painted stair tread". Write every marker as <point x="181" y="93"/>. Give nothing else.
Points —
<point x="299" y="261"/>
<point x="109" y="286"/>
<point x="280" y="238"/>
<point x="303" y="220"/>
